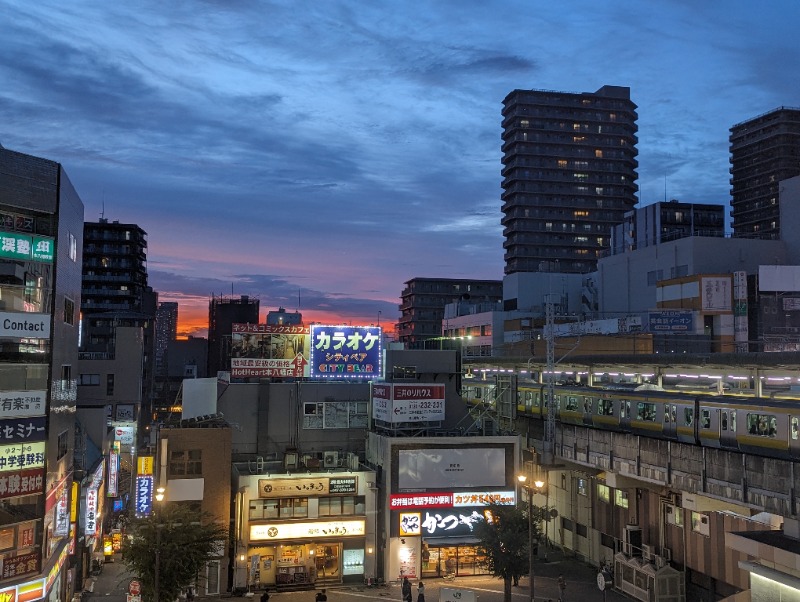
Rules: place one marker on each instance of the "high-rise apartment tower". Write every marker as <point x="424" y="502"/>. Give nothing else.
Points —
<point x="569" y="176"/>
<point x="764" y="151"/>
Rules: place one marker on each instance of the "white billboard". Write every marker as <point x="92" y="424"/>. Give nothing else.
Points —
<point x="22" y="403"/>
<point x="24" y="325"/>
<point x="444" y="468"/>
<point x="395" y="403"/>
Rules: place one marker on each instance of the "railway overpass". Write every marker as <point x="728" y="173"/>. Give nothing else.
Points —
<point x="713" y="513"/>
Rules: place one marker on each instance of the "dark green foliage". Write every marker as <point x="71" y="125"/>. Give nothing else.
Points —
<point x="183" y="540"/>
<point x="504" y="541"/>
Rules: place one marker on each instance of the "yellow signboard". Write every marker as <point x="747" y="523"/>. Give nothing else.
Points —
<point x="336" y="528"/>
<point x="144" y="465"/>
<point x="73" y="503"/>
<point x="21" y="456"/>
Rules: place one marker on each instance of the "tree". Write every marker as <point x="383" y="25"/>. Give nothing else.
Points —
<point x="167" y="550"/>
<point x="503" y="536"/>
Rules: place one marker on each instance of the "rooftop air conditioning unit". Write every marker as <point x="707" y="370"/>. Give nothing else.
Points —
<point x="648" y="552"/>
<point x="330" y="459"/>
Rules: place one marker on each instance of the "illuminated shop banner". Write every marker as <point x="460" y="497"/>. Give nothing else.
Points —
<point x="408" y="403"/>
<point x="90" y="521"/>
<point x="113" y="474"/>
<point x="61" y="528"/>
<point x="440" y="523"/>
<point x="24" y="325"/>
<point x="22" y="403"/>
<point x="267" y="350"/>
<point x="124" y="434"/>
<point x="335" y="528"/>
<point x="21" y="456"/>
<point x="32" y="590"/>
<point x="144" y="495"/>
<point x="439" y="468"/>
<point x="23" y="482"/>
<point x="346" y="351"/>
<point x="420" y="500"/>
<point x="22" y="430"/>
<point x="484" y="498"/>
<point x="451" y="500"/>
<point x="144" y="465"/>
<point x="270" y="488"/>
<point x="25" y="247"/>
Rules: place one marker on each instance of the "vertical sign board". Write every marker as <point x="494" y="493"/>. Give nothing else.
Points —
<point x="144" y="495"/>
<point x="144" y="465"/>
<point x="91" y="513"/>
<point x="741" y="329"/>
<point x="113" y="474"/>
<point x="61" y="528"/>
<point x="346" y="351"/>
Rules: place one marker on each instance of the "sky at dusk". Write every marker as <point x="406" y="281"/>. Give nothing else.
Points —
<point x="317" y="155"/>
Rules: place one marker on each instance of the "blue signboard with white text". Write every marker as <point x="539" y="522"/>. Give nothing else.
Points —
<point x="144" y="495"/>
<point x="346" y="351"/>
<point x="671" y="320"/>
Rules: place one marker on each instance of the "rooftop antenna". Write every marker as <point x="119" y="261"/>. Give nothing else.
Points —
<point x="665" y="188"/>
<point x="298" y="298"/>
<point x="103" y="207"/>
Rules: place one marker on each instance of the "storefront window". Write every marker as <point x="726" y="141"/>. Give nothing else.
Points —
<point x="342" y="506"/>
<point x="280" y="508"/>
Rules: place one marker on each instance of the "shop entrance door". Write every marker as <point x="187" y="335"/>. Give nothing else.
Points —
<point x="328" y="563"/>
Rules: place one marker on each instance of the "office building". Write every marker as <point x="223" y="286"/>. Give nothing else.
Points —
<point x="223" y="313"/>
<point x="166" y="332"/>
<point x="569" y="176"/>
<point x="115" y="294"/>
<point x="765" y="150"/>
<point x="41" y="226"/>
<point x="662" y="222"/>
<point x="423" y="301"/>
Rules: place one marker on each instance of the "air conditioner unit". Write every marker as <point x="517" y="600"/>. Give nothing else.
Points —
<point x="666" y="554"/>
<point x="648" y="552"/>
<point x="330" y="459"/>
<point x="661" y="562"/>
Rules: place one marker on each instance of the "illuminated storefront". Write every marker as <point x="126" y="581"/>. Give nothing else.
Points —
<point x="311" y="529"/>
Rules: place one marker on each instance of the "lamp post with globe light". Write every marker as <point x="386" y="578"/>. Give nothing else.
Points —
<point x="159" y="499"/>
<point x="537" y="485"/>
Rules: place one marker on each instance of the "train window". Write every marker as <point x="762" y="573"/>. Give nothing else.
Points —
<point x="763" y="425"/>
<point x="572" y="404"/>
<point x="733" y="420"/>
<point x="705" y="419"/>
<point x="646" y="411"/>
<point x="795" y="427"/>
<point x="724" y="421"/>
<point x="674" y="414"/>
<point x="688" y="416"/>
<point x="528" y="399"/>
<point x="587" y="405"/>
<point x="478" y="392"/>
<point x="624" y="408"/>
<point x="666" y="413"/>
<point x="605" y="407"/>
<point x="537" y="401"/>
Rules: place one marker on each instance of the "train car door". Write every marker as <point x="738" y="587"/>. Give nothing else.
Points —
<point x="727" y="427"/>
<point x="625" y="414"/>
<point x="794" y="434"/>
<point x="670" y="420"/>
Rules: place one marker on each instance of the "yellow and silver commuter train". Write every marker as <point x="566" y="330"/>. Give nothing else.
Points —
<point x="765" y="427"/>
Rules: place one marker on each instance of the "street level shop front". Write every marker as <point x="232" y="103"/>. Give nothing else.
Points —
<point x="302" y="531"/>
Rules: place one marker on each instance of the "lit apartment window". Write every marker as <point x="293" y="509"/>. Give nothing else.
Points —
<point x="620" y="498"/>
<point x="598" y="153"/>
<point x="603" y="493"/>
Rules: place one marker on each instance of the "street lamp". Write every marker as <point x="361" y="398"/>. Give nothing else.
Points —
<point x="159" y="498"/>
<point x="529" y="488"/>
